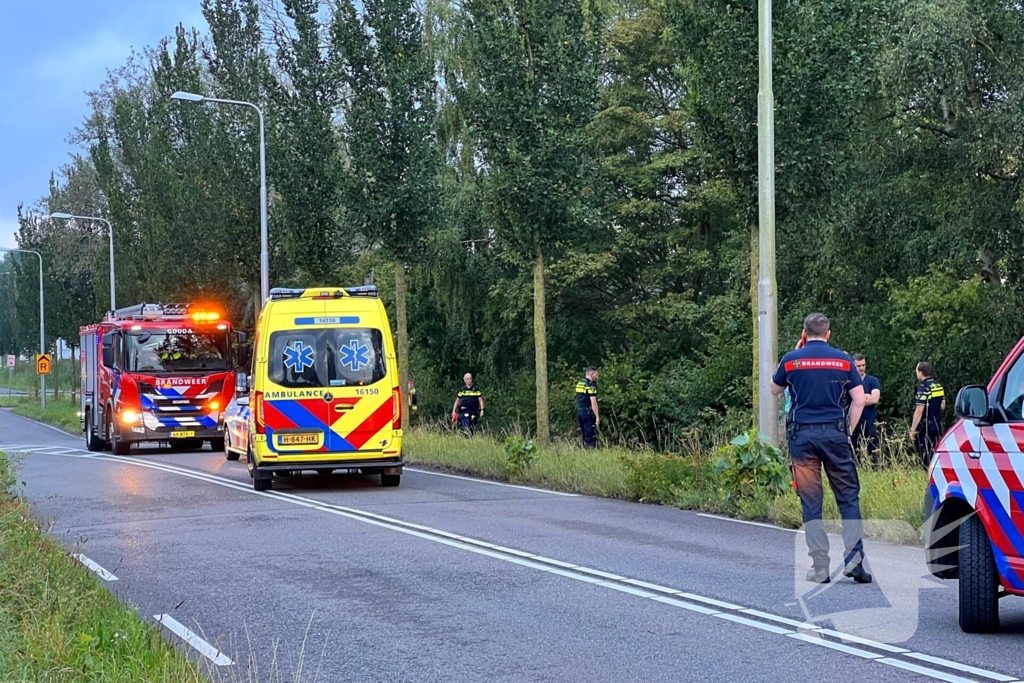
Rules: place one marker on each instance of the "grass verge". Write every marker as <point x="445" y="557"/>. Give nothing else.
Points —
<point x="59" y="413"/>
<point x="892" y="492"/>
<point x="58" y="624"/>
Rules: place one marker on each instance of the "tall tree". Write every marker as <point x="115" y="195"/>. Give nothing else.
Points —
<point x="527" y="82"/>
<point x="389" y="115"/>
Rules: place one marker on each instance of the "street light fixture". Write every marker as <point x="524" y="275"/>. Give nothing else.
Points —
<point x="110" y="231"/>
<point x="264" y="248"/>
<point x="42" y="324"/>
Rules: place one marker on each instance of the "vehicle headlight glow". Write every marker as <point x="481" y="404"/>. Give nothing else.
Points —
<point x="130" y="417"/>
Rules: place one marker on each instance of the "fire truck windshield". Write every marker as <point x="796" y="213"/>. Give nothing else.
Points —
<point x="177" y="350"/>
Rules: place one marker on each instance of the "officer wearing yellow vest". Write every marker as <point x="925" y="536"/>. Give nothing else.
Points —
<point x="929" y="402"/>
<point x="586" y="407"/>
<point x="469" y="405"/>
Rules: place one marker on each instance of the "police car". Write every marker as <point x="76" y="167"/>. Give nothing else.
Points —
<point x="974" y="504"/>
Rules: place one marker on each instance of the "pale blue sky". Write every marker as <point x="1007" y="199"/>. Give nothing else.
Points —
<point x="51" y="53"/>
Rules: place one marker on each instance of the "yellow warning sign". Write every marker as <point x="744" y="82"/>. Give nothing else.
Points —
<point x="43" y="364"/>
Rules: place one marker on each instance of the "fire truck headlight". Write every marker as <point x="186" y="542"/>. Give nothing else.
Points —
<point x="214" y="405"/>
<point x="130" y="417"/>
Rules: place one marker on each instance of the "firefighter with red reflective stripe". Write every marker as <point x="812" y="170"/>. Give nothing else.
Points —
<point x="819" y="377"/>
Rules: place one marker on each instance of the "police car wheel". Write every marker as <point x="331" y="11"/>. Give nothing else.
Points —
<point x="228" y="453"/>
<point x="979" y="582"/>
<point x="390" y="479"/>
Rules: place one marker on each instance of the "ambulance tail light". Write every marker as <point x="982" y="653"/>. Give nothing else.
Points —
<point x="257" y="412"/>
<point x="396" y="408"/>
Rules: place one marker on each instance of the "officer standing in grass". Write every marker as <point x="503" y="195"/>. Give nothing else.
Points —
<point x="817" y="377"/>
<point x="586" y="407"/>
<point x="469" y="406"/>
<point x="929" y="402"/>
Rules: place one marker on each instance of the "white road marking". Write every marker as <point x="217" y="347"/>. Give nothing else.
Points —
<point x="834" y="646"/>
<point x="586" y="575"/>
<point x="100" y="571"/>
<point x="924" y="671"/>
<point x="197" y="643"/>
<point x="782" y="620"/>
<point x="864" y="641"/>
<point x="956" y="666"/>
<point x="749" y="523"/>
<point x="492" y="483"/>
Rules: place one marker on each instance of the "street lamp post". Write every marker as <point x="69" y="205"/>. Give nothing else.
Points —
<point x="110" y="231"/>
<point x="767" y="299"/>
<point x="42" y="323"/>
<point x="264" y="242"/>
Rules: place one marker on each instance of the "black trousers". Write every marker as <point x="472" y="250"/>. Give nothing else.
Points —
<point x="467" y="422"/>
<point x="866" y="435"/>
<point x="811" y="448"/>
<point x="925" y="440"/>
<point x="588" y="429"/>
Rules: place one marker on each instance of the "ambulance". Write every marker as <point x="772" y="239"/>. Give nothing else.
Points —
<point x="323" y="394"/>
<point x="974" y="503"/>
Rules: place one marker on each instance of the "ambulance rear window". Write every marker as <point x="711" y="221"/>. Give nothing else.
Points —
<point x="335" y="357"/>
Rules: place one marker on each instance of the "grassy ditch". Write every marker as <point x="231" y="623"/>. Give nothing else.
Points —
<point x="892" y="490"/>
<point x="58" y="624"/>
<point x="59" y="413"/>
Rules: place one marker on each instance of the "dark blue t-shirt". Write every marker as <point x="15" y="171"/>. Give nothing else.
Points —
<point x="818" y="376"/>
<point x="870" y="412"/>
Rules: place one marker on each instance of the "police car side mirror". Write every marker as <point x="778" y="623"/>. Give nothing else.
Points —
<point x="241" y="384"/>
<point x="972" y="403"/>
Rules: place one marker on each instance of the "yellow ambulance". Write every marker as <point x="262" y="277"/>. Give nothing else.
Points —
<point x="324" y="392"/>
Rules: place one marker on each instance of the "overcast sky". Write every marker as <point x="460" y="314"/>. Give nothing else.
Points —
<point x="51" y="53"/>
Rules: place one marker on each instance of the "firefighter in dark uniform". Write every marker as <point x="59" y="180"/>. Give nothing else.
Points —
<point x="866" y="434"/>
<point x="469" y="406"/>
<point x="818" y="431"/>
<point x="929" y="402"/>
<point x="587" y="414"/>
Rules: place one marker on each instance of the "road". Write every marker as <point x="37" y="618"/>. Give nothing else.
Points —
<point x="452" y="579"/>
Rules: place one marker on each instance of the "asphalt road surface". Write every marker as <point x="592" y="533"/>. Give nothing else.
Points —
<point x="453" y="579"/>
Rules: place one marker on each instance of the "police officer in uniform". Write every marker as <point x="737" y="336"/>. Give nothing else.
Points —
<point x="469" y="406"/>
<point x="586" y="407"/>
<point x="817" y="377"/>
<point x="929" y="402"/>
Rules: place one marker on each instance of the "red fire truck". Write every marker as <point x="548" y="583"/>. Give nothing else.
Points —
<point x="160" y="373"/>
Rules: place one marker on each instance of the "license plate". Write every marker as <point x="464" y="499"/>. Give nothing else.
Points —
<point x="182" y="435"/>
<point x="298" y="439"/>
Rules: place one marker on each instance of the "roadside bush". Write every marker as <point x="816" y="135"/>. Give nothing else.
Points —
<point x="657" y="478"/>
<point x="748" y="466"/>
<point x="520" y="453"/>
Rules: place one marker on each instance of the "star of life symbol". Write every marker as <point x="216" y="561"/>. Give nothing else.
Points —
<point x="355" y="355"/>
<point x="298" y="357"/>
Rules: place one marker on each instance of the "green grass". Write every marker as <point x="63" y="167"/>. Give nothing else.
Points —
<point x="892" y="492"/>
<point x="59" y="413"/>
<point x="24" y="377"/>
<point x="58" y="624"/>
<point x="561" y="466"/>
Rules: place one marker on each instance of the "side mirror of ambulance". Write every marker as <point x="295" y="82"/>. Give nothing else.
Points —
<point x="972" y="403"/>
<point x="241" y="384"/>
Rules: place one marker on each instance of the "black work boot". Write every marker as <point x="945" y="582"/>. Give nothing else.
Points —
<point x="818" y="575"/>
<point x="858" y="574"/>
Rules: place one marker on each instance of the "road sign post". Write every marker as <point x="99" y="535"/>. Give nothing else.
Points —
<point x="11" y="361"/>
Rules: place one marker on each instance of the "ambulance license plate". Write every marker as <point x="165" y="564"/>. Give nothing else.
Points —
<point x="182" y="435"/>
<point x="298" y="439"/>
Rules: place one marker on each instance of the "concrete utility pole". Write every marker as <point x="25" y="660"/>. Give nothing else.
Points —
<point x="767" y="294"/>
